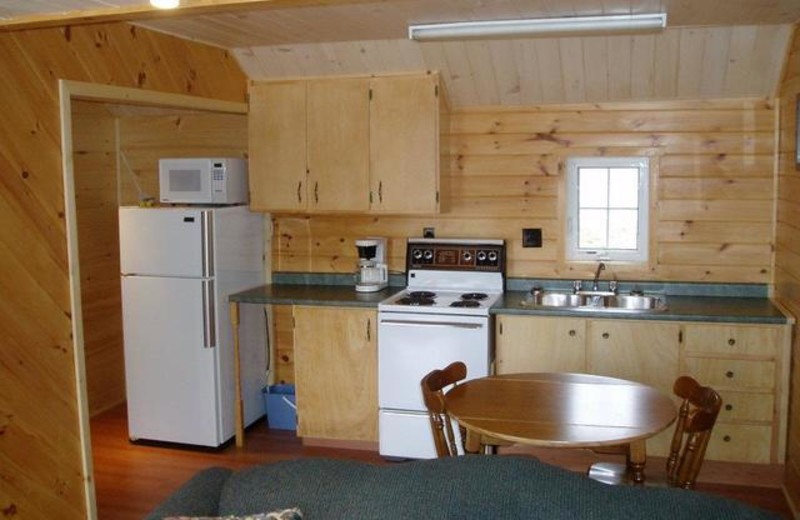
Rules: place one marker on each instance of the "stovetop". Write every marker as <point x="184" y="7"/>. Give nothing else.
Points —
<point x="441" y="302"/>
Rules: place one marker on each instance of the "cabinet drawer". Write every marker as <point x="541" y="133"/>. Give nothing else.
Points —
<point x="746" y="406"/>
<point x="732" y="339"/>
<point x="740" y="443"/>
<point x="732" y="373"/>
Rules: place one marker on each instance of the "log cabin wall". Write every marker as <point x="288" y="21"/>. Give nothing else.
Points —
<point x="787" y="258"/>
<point x="41" y="473"/>
<point x="94" y="133"/>
<point x="712" y="190"/>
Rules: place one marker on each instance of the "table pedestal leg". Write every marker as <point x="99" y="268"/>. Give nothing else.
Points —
<point x="473" y="444"/>
<point x="234" y="311"/>
<point x="637" y="457"/>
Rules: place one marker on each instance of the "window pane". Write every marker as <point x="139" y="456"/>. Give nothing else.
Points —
<point x="592" y="229"/>
<point x="622" y="228"/>
<point x="624" y="191"/>
<point x="593" y="187"/>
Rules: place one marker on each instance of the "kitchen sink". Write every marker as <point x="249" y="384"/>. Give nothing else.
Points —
<point x="596" y="301"/>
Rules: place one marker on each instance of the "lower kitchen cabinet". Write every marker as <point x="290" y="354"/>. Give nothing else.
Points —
<point x="335" y="364"/>
<point x="525" y="344"/>
<point x="748" y="364"/>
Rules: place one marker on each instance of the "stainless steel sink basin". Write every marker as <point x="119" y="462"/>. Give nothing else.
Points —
<point x="600" y="301"/>
<point x="636" y="302"/>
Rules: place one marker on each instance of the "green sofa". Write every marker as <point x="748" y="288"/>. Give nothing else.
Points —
<point x="454" y="488"/>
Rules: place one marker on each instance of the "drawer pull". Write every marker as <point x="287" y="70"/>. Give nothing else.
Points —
<point x="727" y="438"/>
<point x="731" y="342"/>
<point x="729" y="407"/>
<point x="729" y="374"/>
<point x="605" y="335"/>
<point x="572" y="333"/>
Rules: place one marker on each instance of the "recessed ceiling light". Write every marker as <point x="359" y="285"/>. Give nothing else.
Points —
<point x="165" y="4"/>
<point x="541" y="27"/>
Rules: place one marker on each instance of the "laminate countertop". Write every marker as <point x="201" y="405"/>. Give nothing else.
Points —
<point x="679" y="308"/>
<point x="312" y="294"/>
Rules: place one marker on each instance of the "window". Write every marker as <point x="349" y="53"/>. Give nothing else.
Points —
<point x="607" y="204"/>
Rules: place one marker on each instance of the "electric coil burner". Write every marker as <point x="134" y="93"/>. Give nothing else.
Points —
<point x="442" y="316"/>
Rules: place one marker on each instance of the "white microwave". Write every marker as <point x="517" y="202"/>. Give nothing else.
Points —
<point x="203" y="180"/>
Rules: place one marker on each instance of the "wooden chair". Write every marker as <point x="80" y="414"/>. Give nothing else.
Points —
<point x="441" y="425"/>
<point x="696" y="418"/>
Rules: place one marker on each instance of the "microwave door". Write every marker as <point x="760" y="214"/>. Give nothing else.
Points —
<point x="186" y="180"/>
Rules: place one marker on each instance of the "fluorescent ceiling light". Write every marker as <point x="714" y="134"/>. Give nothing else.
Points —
<point x="541" y="27"/>
<point x="165" y="4"/>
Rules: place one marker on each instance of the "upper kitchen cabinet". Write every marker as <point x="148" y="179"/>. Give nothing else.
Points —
<point x="338" y="145"/>
<point x="277" y="146"/>
<point x="404" y="144"/>
<point x="352" y="145"/>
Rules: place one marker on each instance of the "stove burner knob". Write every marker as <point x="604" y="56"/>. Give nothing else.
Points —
<point x="428" y="254"/>
<point x="467" y="256"/>
<point x="481" y="256"/>
<point x="416" y="254"/>
<point x="493" y="256"/>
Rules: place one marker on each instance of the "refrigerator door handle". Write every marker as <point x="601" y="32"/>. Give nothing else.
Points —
<point x="209" y="315"/>
<point x="207" y="241"/>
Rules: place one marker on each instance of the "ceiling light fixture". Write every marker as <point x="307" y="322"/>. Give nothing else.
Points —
<point x="165" y="4"/>
<point x="541" y="27"/>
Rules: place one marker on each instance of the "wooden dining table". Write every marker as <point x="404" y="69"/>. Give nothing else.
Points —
<point x="562" y="410"/>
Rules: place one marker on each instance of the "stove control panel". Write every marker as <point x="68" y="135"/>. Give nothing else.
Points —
<point x="472" y="256"/>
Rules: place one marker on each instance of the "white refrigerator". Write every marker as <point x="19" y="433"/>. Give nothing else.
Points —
<point x="178" y="266"/>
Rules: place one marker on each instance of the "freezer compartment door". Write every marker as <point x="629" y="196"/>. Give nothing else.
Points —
<point x="170" y="361"/>
<point x="411" y="346"/>
<point x="166" y="242"/>
<point x="408" y="435"/>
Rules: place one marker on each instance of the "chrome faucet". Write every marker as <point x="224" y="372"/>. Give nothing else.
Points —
<point x="601" y="266"/>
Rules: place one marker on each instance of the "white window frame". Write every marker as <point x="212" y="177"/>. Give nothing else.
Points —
<point x="641" y="254"/>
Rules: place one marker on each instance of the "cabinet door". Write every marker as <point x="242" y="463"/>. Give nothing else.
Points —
<point x="404" y="144"/>
<point x="338" y="145"/>
<point x="646" y="352"/>
<point x="277" y="146"/>
<point x="534" y="344"/>
<point x="335" y="360"/>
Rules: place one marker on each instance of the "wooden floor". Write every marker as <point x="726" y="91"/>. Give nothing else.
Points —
<point x="130" y="480"/>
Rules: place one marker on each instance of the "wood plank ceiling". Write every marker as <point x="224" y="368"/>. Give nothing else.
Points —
<point x="712" y="49"/>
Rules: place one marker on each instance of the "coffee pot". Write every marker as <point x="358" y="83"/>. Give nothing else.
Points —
<point x="372" y="273"/>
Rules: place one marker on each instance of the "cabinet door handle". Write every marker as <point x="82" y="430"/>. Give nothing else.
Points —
<point x="731" y="342"/>
<point x="606" y="335"/>
<point x="729" y="374"/>
<point x="727" y="438"/>
<point x="572" y="333"/>
<point x="369" y="329"/>
<point x="380" y="192"/>
<point x="299" y="197"/>
<point x="316" y="192"/>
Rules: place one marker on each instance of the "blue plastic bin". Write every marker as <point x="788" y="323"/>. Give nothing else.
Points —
<point x="279" y="404"/>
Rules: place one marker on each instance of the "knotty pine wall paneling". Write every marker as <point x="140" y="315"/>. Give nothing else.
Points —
<point x="712" y="190"/>
<point x="41" y="473"/>
<point x="787" y="257"/>
<point x="94" y="134"/>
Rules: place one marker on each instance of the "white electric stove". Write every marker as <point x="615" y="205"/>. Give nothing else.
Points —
<point x="441" y="317"/>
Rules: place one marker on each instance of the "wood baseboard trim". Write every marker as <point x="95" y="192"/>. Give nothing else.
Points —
<point x="791" y="488"/>
<point x="341" y="444"/>
<point x="713" y="472"/>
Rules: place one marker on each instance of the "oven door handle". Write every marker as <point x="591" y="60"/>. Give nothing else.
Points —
<point x="411" y="323"/>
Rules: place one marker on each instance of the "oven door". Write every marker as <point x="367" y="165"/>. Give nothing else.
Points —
<point x="411" y="345"/>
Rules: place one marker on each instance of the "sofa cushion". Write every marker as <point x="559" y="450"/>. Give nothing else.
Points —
<point x="471" y="486"/>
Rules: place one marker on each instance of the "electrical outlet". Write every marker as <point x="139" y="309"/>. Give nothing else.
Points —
<point x="531" y="237"/>
<point x="429" y="232"/>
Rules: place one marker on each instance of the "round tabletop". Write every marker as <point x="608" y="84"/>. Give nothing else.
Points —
<point x="560" y="409"/>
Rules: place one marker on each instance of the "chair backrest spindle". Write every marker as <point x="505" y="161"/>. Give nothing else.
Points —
<point x="433" y="395"/>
